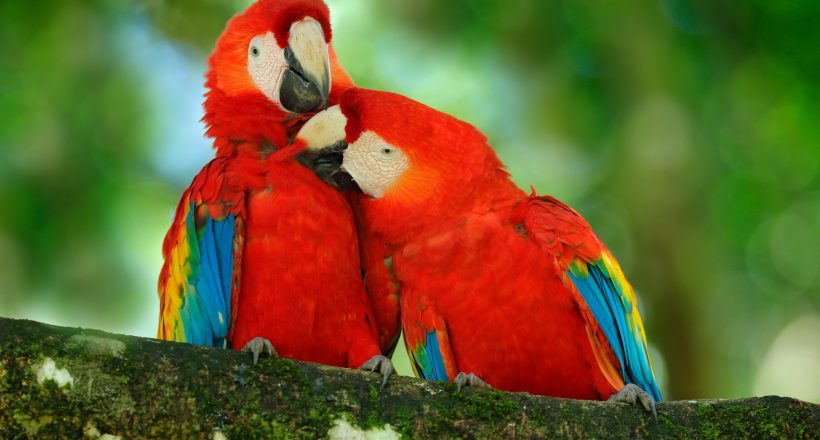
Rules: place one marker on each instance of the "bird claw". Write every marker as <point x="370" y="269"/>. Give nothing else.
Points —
<point x="379" y="363"/>
<point x="259" y="345"/>
<point x="633" y="394"/>
<point x="469" y="380"/>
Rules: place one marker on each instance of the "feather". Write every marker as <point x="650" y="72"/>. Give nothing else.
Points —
<point x="196" y="279"/>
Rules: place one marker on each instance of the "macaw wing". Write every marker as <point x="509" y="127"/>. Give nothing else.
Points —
<point x="380" y="281"/>
<point x="605" y="297"/>
<point x="383" y="292"/>
<point x="199" y="283"/>
<point x="428" y="346"/>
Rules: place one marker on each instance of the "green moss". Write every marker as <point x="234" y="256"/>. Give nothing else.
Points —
<point x="261" y="427"/>
<point x="32" y="425"/>
<point x="3" y="376"/>
<point x="746" y="420"/>
<point x="670" y="428"/>
<point x="473" y="405"/>
<point x="705" y="410"/>
<point x="176" y="390"/>
<point x="374" y="415"/>
<point x="491" y="404"/>
<point x="403" y="421"/>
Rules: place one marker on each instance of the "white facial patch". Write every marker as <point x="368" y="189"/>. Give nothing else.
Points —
<point x="374" y="164"/>
<point x="266" y="64"/>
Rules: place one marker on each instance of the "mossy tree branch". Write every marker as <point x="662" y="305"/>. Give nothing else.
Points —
<point x="64" y="382"/>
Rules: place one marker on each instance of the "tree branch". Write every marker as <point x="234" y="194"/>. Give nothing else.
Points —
<point x="58" y="382"/>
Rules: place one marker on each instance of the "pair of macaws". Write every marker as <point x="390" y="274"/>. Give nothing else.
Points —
<point x="490" y="285"/>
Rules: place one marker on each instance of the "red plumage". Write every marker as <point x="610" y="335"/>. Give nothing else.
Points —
<point x="509" y="286"/>
<point x="301" y="286"/>
<point x="294" y="276"/>
<point x="379" y="279"/>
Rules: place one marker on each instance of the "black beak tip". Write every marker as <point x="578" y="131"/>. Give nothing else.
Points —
<point x="337" y="147"/>
<point x="301" y="93"/>
<point x="298" y="94"/>
<point x="342" y="180"/>
<point x="327" y="165"/>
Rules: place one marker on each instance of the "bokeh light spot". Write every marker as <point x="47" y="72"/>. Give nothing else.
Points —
<point x="792" y="363"/>
<point x="795" y="249"/>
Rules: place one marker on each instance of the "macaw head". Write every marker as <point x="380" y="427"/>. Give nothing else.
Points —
<point x="271" y="65"/>
<point x="401" y="153"/>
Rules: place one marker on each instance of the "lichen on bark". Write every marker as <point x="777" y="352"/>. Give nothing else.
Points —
<point x="129" y="387"/>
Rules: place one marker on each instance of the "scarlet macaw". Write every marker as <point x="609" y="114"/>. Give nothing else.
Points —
<point x="496" y="285"/>
<point x="262" y="253"/>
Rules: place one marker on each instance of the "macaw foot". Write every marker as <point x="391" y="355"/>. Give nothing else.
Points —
<point x="469" y="380"/>
<point x="381" y="364"/>
<point x="633" y="394"/>
<point x="259" y="345"/>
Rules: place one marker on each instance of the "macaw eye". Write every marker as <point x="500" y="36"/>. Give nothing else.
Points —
<point x="266" y="64"/>
<point x="386" y="151"/>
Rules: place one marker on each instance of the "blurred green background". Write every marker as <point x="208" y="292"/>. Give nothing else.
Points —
<point x="685" y="131"/>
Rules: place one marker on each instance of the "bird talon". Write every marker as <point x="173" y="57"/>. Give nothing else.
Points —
<point x="469" y="380"/>
<point x="259" y="345"/>
<point x="381" y="364"/>
<point x="632" y="395"/>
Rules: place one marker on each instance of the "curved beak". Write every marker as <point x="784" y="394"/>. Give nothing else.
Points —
<point x="324" y="130"/>
<point x="324" y="139"/>
<point x="306" y="83"/>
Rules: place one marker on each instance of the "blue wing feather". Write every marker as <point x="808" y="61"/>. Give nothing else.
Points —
<point x="433" y="349"/>
<point x="605" y="299"/>
<point x="207" y="306"/>
<point x="427" y="359"/>
<point x="603" y="289"/>
<point x="196" y="283"/>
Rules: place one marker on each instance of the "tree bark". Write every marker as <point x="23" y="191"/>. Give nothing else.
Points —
<point x="58" y="382"/>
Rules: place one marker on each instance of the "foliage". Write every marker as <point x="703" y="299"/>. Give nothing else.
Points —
<point x="684" y="131"/>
